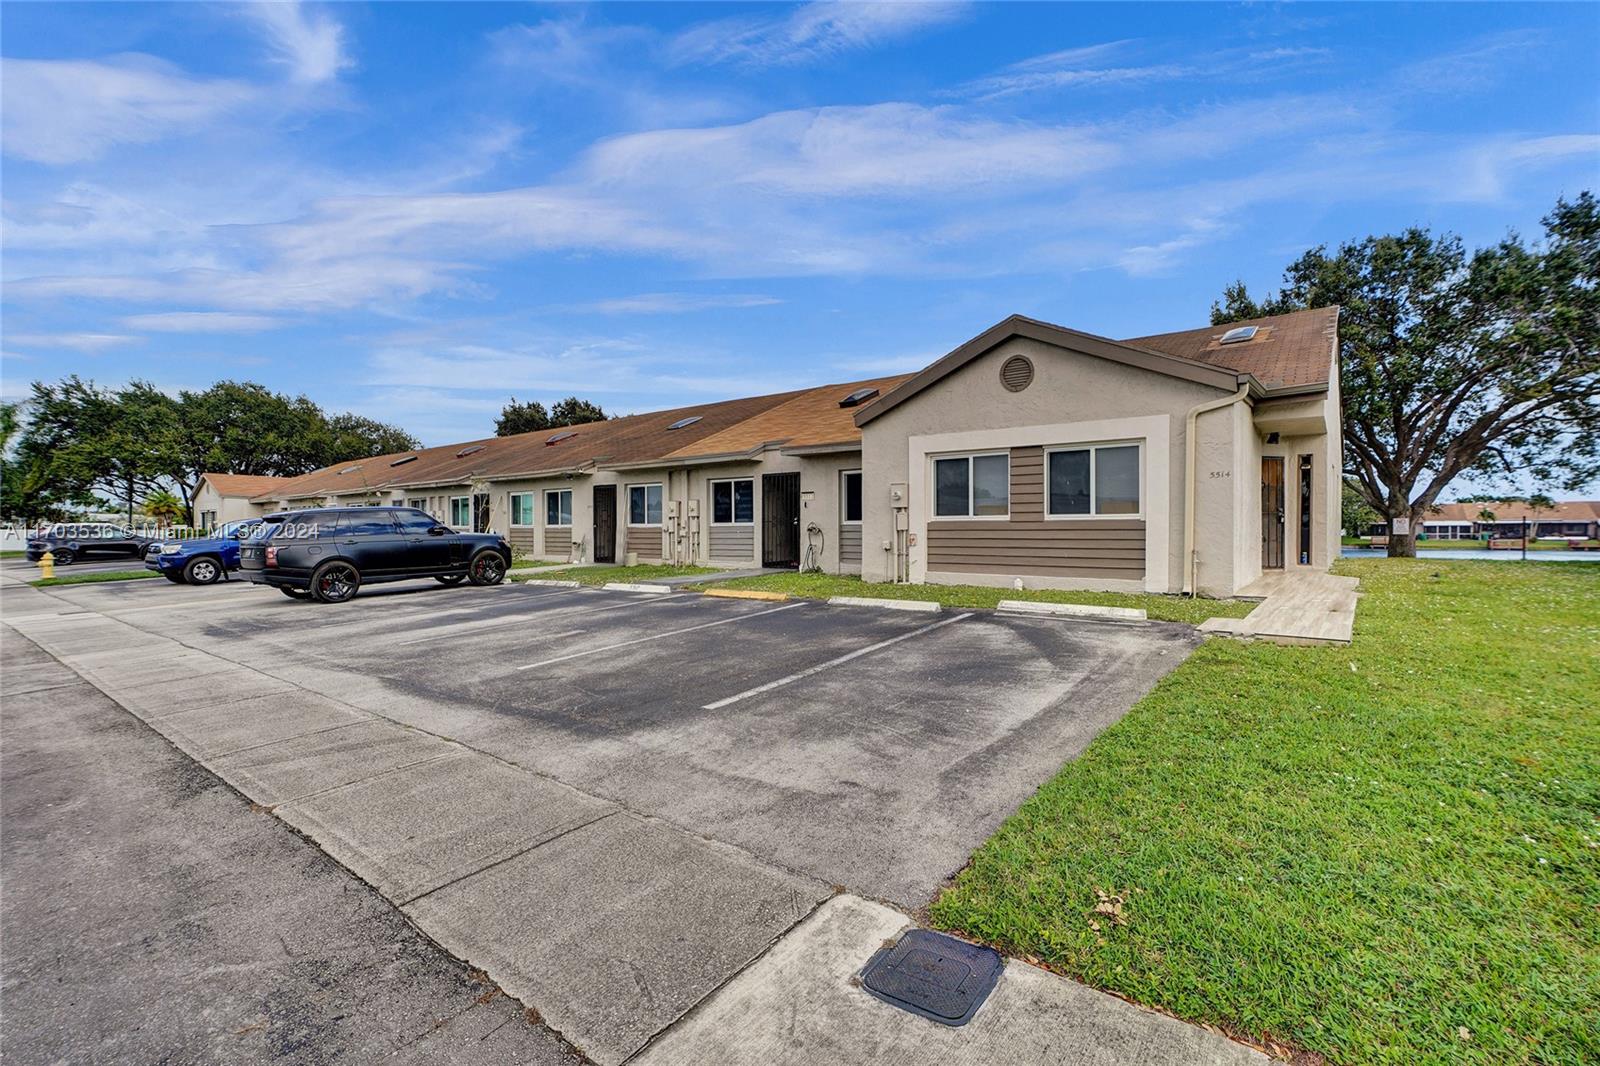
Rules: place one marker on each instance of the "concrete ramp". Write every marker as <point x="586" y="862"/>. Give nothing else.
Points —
<point x="1297" y="608"/>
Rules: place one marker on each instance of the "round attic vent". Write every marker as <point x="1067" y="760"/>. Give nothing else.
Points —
<point x="1016" y="373"/>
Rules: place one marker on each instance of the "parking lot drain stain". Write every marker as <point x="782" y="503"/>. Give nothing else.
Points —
<point x="936" y="976"/>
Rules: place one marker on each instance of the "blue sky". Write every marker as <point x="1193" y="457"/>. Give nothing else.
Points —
<point x="415" y="210"/>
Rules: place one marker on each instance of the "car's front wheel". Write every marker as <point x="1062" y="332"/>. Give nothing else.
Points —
<point x="334" y="582"/>
<point x="63" y="556"/>
<point x="202" y="571"/>
<point x="488" y="567"/>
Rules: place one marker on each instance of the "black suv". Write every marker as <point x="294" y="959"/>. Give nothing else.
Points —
<point x="67" y="541"/>
<point x="329" y="553"/>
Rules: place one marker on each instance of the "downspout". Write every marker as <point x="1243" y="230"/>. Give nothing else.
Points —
<point x="1190" y="458"/>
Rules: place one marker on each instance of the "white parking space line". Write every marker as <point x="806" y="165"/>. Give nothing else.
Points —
<point x="658" y="636"/>
<point x="817" y="669"/>
<point x="496" y="623"/>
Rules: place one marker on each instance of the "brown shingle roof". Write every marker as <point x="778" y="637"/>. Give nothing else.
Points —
<point x="811" y="418"/>
<point x="1516" y="511"/>
<point x="243" y="484"/>
<point x="628" y="439"/>
<point x="1287" y="350"/>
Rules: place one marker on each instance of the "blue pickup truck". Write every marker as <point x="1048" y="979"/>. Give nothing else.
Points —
<point x="200" y="562"/>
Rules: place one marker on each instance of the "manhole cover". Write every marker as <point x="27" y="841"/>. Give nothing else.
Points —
<point x="934" y="975"/>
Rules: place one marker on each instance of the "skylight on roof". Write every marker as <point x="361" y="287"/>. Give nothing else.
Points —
<point x="559" y="437"/>
<point x="858" y="397"/>
<point x="1237" y="334"/>
<point x="680" y="423"/>
<point x="403" y="460"/>
<point x="351" y="469"/>
<point x="473" y="450"/>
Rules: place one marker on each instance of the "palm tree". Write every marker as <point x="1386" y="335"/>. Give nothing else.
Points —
<point x="1486" y="517"/>
<point x="1540" y="504"/>
<point x="164" y="507"/>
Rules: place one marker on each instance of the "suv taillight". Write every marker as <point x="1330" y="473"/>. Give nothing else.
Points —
<point x="272" y="555"/>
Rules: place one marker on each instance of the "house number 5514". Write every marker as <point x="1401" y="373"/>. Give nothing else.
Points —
<point x="1220" y="473"/>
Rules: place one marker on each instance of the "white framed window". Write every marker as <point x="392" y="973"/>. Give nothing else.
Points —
<point x="850" y="497"/>
<point x="644" y="504"/>
<point x="558" y="507"/>
<point x="1094" y="481"/>
<point x="733" y="502"/>
<point x="972" y="486"/>
<point x="418" y="504"/>
<point x="461" y="512"/>
<point x="522" y="508"/>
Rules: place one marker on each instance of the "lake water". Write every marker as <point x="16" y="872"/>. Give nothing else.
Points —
<point x="1481" y="553"/>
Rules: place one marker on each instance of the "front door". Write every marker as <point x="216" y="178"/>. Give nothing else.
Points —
<point x="1272" y="512"/>
<point x="605" y="523"/>
<point x="780" y="520"/>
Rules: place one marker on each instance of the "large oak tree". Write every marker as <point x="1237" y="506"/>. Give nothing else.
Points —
<point x="1453" y="365"/>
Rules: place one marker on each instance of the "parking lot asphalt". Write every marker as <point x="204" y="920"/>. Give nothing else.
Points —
<point x="612" y="801"/>
<point x="150" y="915"/>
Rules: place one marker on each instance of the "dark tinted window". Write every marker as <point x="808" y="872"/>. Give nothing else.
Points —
<point x="415" y="521"/>
<point x="852" y="496"/>
<point x="368" y="524"/>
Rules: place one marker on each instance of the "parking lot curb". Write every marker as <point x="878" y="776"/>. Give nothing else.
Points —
<point x="1072" y="610"/>
<point x="628" y="586"/>
<point x="748" y="594"/>
<point x="925" y="606"/>
<point x="553" y="582"/>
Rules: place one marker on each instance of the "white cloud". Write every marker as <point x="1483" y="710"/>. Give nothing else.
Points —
<point x="675" y="303"/>
<point x="201" y="322"/>
<point x="89" y="343"/>
<point x="310" y="45"/>
<point x="809" y="33"/>
<point x="74" y="110"/>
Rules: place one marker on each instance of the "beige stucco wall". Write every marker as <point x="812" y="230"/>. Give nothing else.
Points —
<point x="227" y="508"/>
<point x="1073" y="398"/>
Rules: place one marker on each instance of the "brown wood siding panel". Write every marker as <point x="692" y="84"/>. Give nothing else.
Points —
<point x="557" y="542"/>
<point x="1027" y="485"/>
<point x="1039" y="571"/>
<point x="645" y="540"/>
<point x="733" y="542"/>
<point x="522" y="539"/>
<point x="1030" y="544"/>
<point x="850" y="544"/>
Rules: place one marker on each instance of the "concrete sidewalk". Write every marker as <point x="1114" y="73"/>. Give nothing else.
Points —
<point x="626" y="932"/>
<point x="801" y="1005"/>
<point x="150" y="915"/>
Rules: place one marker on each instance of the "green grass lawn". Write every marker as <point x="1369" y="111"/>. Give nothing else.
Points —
<point x="13" y="554"/>
<point x="821" y="586"/>
<point x="1387" y="852"/>
<point x="599" y="575"/>
<point x="89" y="579"/>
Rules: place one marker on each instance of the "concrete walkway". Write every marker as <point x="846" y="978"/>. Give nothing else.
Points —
<point x="1298" y="607"/>
<point x="800" y="1005"/>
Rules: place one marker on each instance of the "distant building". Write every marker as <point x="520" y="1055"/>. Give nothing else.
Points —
<point x="1459" y="521"/>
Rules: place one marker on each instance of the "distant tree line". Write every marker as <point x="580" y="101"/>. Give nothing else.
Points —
<point x="73" y="444"/>
<point x="1484" y="365"/>
<point x="531" y="417"/>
